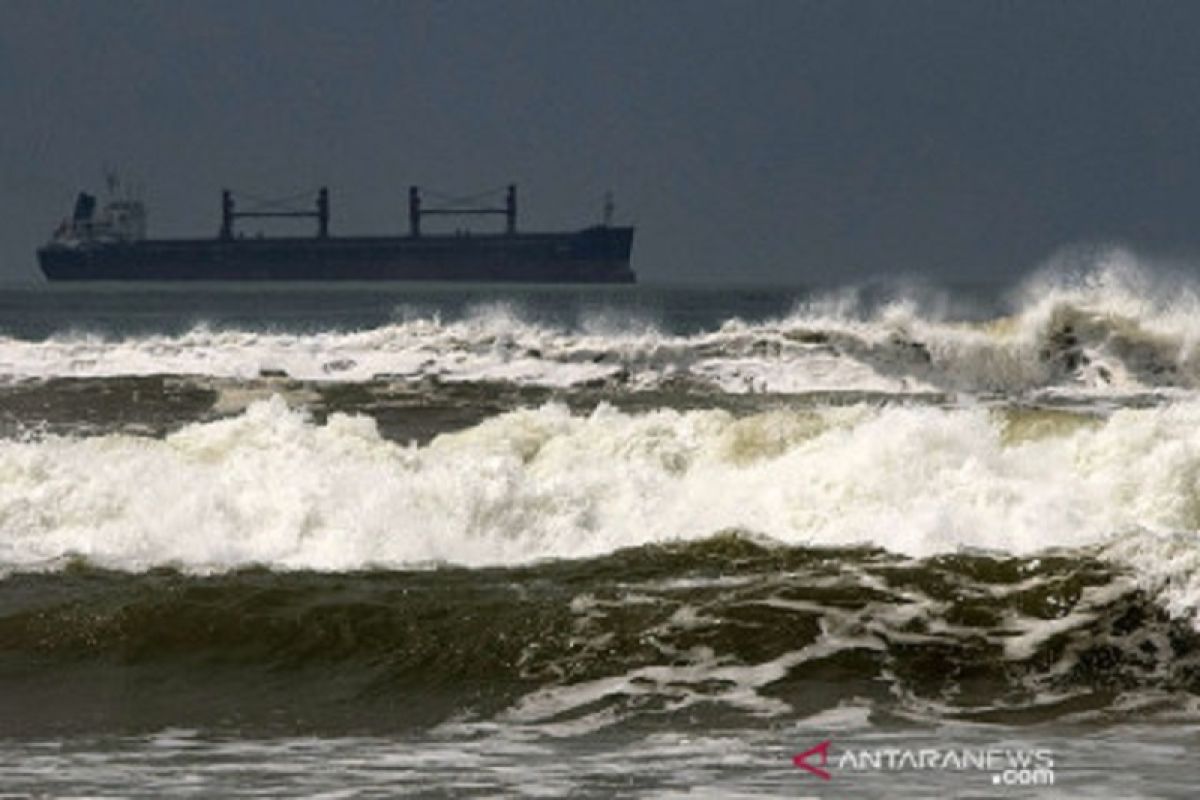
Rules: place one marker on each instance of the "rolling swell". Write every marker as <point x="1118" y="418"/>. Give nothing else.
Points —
<point x="714" y="632"/>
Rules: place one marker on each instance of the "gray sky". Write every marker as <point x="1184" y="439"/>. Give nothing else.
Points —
<point x="783" y="142"/>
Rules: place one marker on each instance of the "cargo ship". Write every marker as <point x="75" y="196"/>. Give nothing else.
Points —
<point x="110" y="244"/>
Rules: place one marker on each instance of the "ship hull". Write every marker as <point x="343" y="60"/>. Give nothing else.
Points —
<point x="593" y="255"/>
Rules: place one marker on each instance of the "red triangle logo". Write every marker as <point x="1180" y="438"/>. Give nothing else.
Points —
<point x="821" y="751"/>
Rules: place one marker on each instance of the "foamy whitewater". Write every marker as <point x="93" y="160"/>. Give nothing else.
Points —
<point x="270" y="488"/>
<point x="512" y="535"/>
<point x="1110" y="331"/>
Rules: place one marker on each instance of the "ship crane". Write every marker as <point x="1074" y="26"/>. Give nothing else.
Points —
<point x="230" y="214"/>
<point x="461" y="207"/>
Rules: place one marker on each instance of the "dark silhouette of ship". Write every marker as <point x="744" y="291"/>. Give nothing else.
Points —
<point x="110" y="244"/>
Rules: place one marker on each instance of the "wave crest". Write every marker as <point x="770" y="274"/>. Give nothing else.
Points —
<point x="1117" y="328"/>
<point x="270" y="487"/>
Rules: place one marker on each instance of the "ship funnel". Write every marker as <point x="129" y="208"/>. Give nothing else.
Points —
<point x="85" y="207"/>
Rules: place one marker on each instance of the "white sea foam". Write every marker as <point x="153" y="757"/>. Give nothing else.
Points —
<point x="271" y="487"/>
<point x="1115" y="328"/>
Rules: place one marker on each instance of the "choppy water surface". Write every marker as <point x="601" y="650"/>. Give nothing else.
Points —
<point x="637" y="542"/>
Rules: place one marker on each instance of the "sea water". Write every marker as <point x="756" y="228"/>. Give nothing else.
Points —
<point x="379" y="541"/>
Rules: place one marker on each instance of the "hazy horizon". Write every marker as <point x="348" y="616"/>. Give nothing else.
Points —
<point x="751" y="143"/>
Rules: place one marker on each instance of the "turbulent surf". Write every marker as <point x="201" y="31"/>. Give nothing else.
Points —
<point x="599" y="519"/>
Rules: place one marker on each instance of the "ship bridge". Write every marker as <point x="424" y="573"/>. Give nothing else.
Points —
<point x="122" y="219"/>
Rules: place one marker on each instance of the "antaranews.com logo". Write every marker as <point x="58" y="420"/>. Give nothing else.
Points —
<point x="1006" y="766"/>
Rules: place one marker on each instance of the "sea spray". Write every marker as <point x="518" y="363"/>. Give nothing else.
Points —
<point x="1106" y="333"/>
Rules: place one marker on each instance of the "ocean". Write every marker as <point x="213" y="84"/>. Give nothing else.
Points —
<point x="887" y="540"/>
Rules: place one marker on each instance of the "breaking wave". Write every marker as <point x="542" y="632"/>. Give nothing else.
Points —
<point x="1113" y="328"/>
<point x="272" y="488"/>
